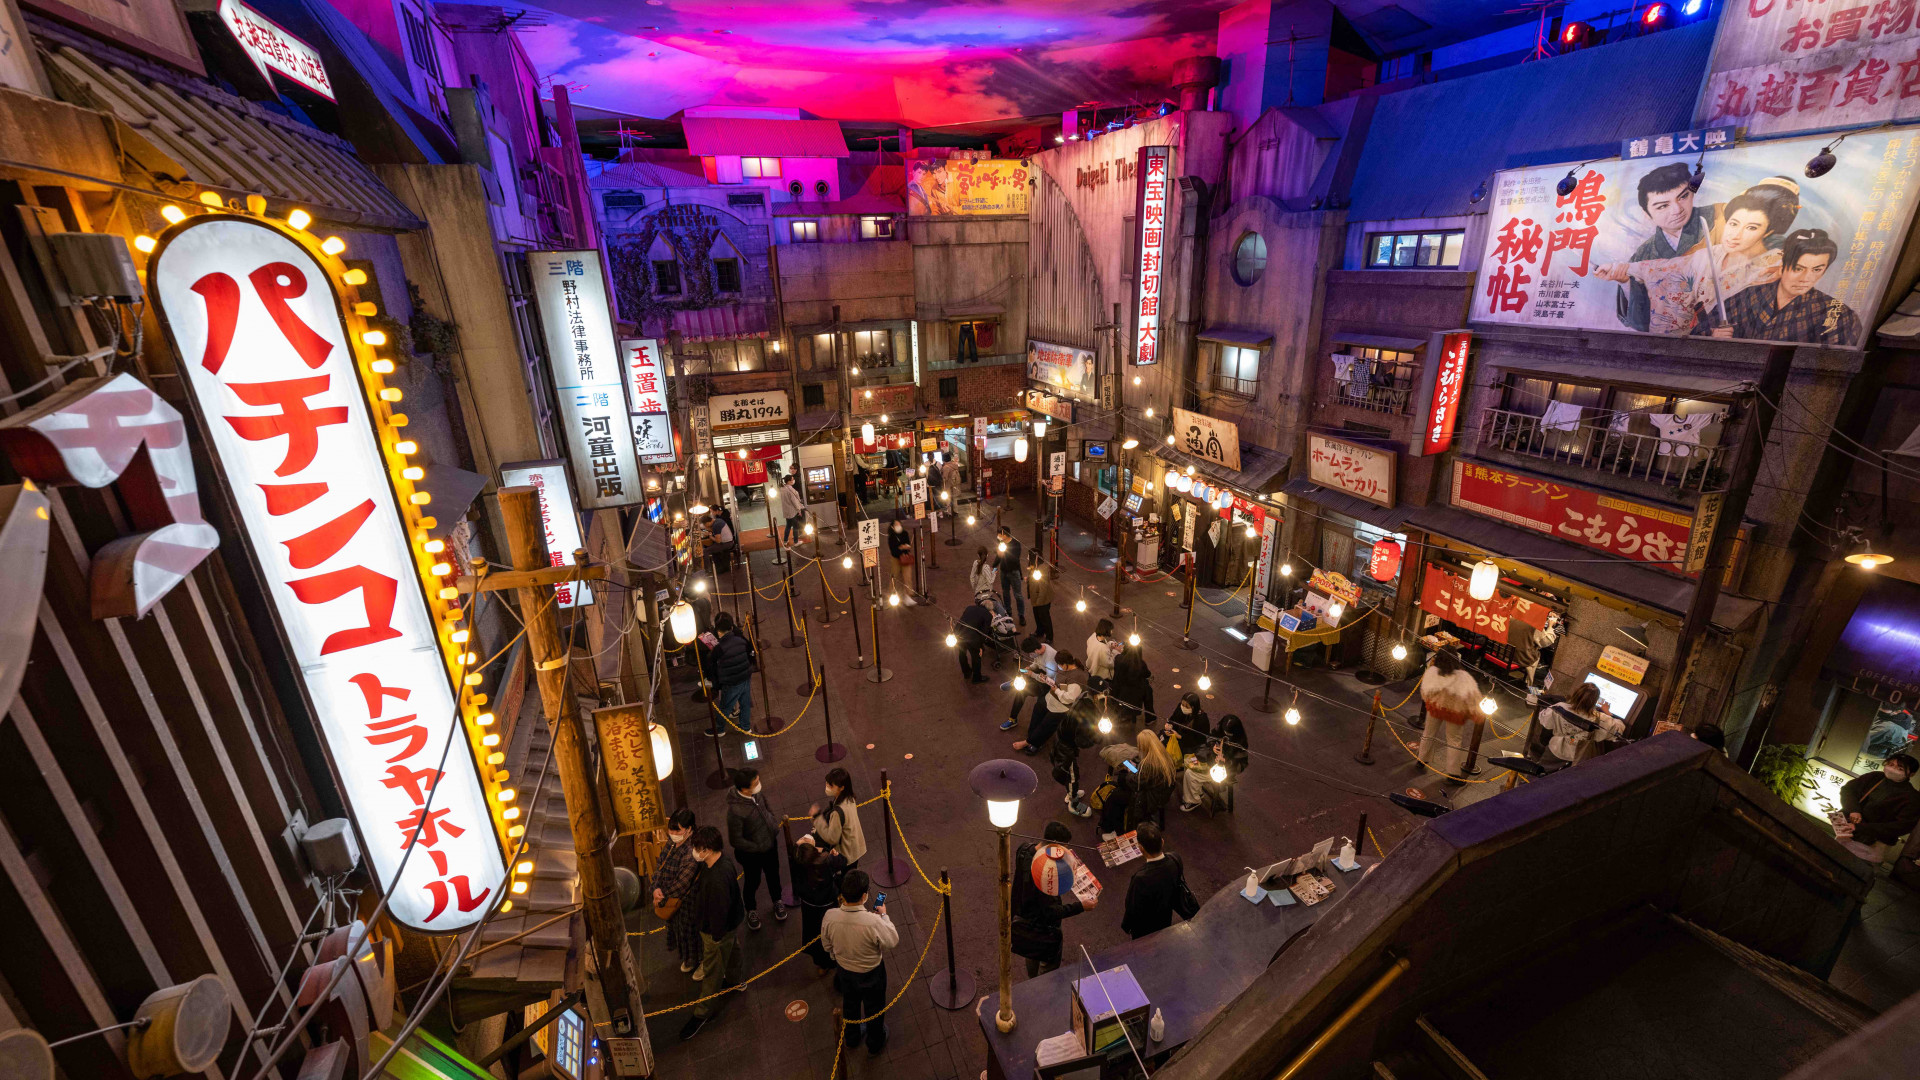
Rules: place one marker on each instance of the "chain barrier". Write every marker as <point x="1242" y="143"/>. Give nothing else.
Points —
<point x="840" y="1038"/>
<point x="736" y="987"/>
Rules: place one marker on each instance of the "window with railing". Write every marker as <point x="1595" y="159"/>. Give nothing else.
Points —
<point x="1662" y="438"/>
<point x="1377" y="380"/>
<point x="1237" y="370"/>
<point x="1430" y="250"/>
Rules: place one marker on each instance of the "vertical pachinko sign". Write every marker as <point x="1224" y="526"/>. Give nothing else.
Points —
<point x="1152" y="230"/>
<point x="313" y="448"/>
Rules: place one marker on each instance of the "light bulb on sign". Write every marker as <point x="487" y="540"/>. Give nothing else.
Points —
<point x="173" y="214"/>
<point x="145" y="244"/>
<point x="333" y="245"/>
<point x="299" y="219"/>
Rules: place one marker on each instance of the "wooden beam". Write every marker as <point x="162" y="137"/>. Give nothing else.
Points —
<point x="502" y="580"/>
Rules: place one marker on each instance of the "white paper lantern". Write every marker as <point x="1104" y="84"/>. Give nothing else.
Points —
<point x="1039" y="429"/>
<point x="1486" y="578"/>
<point x="682" y="621"/>
<point x="1223" y="500"/>
<point x="662" y="751"/>
<point x="866" y="432"/>
<point x="1020" y="449"/>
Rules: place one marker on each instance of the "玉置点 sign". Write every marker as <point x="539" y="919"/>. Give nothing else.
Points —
<point x="1631" y="530"/>
<point x="1360" y="471"/>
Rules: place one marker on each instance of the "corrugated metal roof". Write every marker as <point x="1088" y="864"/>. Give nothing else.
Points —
<point x="216" y="140"/>
<point x="1428" y="148"/>
<point x="720" y="136"/>
<point x="731" y="322"/>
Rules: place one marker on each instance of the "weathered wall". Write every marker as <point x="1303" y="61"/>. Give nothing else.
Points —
<point x="969" y="267"/>
<point x="871" y="280"/>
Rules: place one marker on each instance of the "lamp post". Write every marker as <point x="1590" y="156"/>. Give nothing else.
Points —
<point x="1002" y="783"/>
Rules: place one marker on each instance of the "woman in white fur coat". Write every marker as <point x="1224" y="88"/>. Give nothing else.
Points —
<point x="1452" y="698"/>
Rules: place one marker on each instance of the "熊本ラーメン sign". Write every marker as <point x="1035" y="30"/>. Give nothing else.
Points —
<point x="589" y="377"/>
<point x="1152" y="231"/>
<point x="1608" y="523"/>
<point x="559" y="521"/>
<point x="1632" y="248"/>
<point x="1799" y="65"/>
<point x="312" y="443"/>
<point x="1360" y="471"/>
<point x="647" y="400"/>
<point x="1445" y="594"/>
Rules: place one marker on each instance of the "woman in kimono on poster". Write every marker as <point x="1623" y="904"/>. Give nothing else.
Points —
<point x="1687" y="294"/>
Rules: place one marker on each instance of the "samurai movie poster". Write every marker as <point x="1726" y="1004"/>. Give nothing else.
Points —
<point x="1760" y="252"/>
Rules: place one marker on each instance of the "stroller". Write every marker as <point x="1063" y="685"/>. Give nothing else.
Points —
<point x="1006" y="636"/>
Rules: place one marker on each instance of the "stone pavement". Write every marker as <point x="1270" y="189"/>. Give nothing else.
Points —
<point x="926" y="729"/>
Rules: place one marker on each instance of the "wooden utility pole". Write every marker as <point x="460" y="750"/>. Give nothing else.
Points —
<point x="1682" y="696"/>
<point x="620" y="978"/>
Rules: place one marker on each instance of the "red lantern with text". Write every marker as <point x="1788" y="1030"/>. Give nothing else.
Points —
<point x="1385" y="561"/>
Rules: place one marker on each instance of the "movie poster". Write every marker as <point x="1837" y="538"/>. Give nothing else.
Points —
<point x="961" y="188"/>
<point x="1062" y="369"/>
<point x="1760" y="252"/>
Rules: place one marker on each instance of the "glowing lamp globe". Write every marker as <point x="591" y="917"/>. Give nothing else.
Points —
<point x="662" y="751"/>
<point x="1485" y="580"/>
<point x="1036" y="573"/>
<point x="1399" y="652"/>
<point x="1218" y="774"/>
<point x="846" y="562"/>
<point x="866" y="432"/>
<point x="952" y="641"/>
<point x="1487" y="706"/>
<point x="1039" y="429"/>
<point x="1001" y="785"/>
<point x="682" y="622"/>
<point x="893" y="599"/>
<point x="1019" y="683"/>
<point x="1079" y="605"/>
<point x="1204" y="682"/>
<point x="1020" y="449"/>
<point x="1133" y="639"/>
<point x="1106" y="725"/>
<point x="1286" y="569"/>
<point x="1292" y="715"/>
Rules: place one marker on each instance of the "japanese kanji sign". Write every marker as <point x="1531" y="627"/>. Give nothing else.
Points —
<point x="285" y="394"/>
<point x="1207" y="438"/>
<point x="1445" y="594"/>
<point x="1437" y="399"/>
<point x="894" y="400"/>
<point x="272" y="49"/>
<point x="626" y="744"/>
<point x="1608" y="523"/>
<point x="648" y="405"/>
<point x="1263" y="570"/>
<point x="1633" y="248"/>
<point x="1047" y="405"/>
<point x="588" y="379"/>
<point x="1679" y="143"/>
<point x="1360" y="471"/>
<point x="1150" y="230"/>
<point x="1801" y="65"/>
<point x="764" y="408"/>
<point x="559" y="521"/>
<point x="1061" y="369"/>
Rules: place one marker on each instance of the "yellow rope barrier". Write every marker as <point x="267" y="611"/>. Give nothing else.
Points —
<point x="1230" y="596"/>
<point x="847" y="599"/>
<point x="931" y="884"/>
<point x="1415" y="755"/>
<point x="1377" y="849"/>
<point x="770" y="734"/>
<point x="735" y="988"/>
<point x="840" y="1039"/>
<point x="856" y="806"/>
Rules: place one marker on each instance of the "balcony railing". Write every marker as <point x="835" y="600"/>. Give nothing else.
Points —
<point x="1376" y="387"/>
<point x="1607" y="444"/>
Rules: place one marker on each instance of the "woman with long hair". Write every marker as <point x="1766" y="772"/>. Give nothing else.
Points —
<point x="1579" y="724"/>
<point x="982" y="576"/>
<point x="1133" y="684"/>
<point x="1452" y="697"/>
<point x="673" y="882"/>
<point x="1143" y="780"/>
<point x="1228" y="749"/>
<point x="836" y="821"/>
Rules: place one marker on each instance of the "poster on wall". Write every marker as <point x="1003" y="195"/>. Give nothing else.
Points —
<point x="961" y="188"/>
<point x="1781" y="66"/>
<point x="1759" y="253"/>
<point x="1061" y="368"/>
<point x="588" y="380"/>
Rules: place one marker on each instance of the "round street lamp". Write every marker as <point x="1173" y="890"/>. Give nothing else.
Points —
<point x="1002" y="784"/>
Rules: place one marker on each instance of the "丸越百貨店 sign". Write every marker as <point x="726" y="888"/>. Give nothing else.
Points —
<point x="1063" y="370"/>
<point x="1360" y="471"/>
<point x="763" y="408"/>
<point x="588" y="380"/>
<point x="1206" y="438"/>
<point x="1757" y="253"/>
<point x="651" y="415"/>
<point x="559" y="521"/>
<point x="1779" y="66"/>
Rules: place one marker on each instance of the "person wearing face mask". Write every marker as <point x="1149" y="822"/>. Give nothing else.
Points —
<point x="1132" y="689"/>
<point x="1190" y="720"/>
<point x="673" y="879"/>
<point x="752" y="829"/>
<point x="1880" y="808"/>
<point x="717" y="911"/>
<point x="816" y="885"/>
<point x="900" y="563"/>
<point x="1101" y="650"/>
<point x="836" y="821"/>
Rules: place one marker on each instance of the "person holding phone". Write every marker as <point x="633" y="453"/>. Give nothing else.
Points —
<point x="858" y="940"/>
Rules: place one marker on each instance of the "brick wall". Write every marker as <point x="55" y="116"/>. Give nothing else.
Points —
<point x="983" y="391"/>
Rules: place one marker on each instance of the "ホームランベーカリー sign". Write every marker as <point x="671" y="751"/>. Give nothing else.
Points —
<point x="312" y="444"/>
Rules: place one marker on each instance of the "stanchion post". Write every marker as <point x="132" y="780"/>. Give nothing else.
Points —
<point x="894" y="872"/>
<point x="1186" y="635"/>
<point x="829" y="751"/>
<point x="793" y="618"/>
<point x="955" y="992"/>
<point x="853" y="595"/>
<point x="826" y="599"/>
<point x="1360" y="838"/>
<point x="806" y="685"/>
<point x="1265" y="704"/>
<point x="879" y="674"/>
<point x="931" y="538"/>
<point x="1473" y="747"/>
<point x="770" y="721"/>
<point x="1365" y="756"/>
<point x="717" y="779"/>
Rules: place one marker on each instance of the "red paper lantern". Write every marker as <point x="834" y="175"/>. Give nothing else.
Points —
<point x="1385" y="562"/>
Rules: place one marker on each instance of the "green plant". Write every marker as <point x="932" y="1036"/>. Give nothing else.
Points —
<point x="1782" y="768"/>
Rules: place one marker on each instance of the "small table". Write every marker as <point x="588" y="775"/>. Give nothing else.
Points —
<point x="1293" y="641"/>
<point x="1190" y="970"/>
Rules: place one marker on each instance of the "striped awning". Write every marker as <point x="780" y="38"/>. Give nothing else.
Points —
<point x="186" y="132"/>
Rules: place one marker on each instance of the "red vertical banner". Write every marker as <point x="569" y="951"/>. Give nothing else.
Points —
<point x="1151" y="229"/>
<point x="1440" y="412"/>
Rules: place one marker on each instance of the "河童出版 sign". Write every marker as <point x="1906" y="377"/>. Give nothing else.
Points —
<point x="589" y="379"/>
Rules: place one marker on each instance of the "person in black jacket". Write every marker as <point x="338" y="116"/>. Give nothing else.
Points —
<point x="1881" y="807"/>
<point x="1132" y="690"/>
<point x="816" y="885"/>
<point x="900" y="561"/>
<point x="1037" y="915"/>
<point x="1158" y="890"/>
<point x="717" y="912"/>
<point x="733" y="665"/>
<point x="974" y="633"/>
<point x="1011" y="593"/>
<point x="753" y="830"/>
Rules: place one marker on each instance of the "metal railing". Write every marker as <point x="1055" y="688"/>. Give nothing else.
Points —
<point x="1386" y="388"/>
<point x="1602" y="447"/>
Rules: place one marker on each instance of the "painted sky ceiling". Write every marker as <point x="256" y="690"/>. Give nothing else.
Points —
<point x="925" y="62"/>
<point x="919" y="61"/>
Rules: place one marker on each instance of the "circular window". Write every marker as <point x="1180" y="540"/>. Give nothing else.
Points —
<point x="1249" y="259"/>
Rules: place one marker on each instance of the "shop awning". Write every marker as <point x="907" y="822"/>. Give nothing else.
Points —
<point x="1616" y="577"/>
<point x="188" y="132"/>
<point x="1379" y="341"/>
<point x="1258" y="467"/>
<point x="1342" y="503"/>
<point x="723" y="323"/>
<point x="1233" y="335"/>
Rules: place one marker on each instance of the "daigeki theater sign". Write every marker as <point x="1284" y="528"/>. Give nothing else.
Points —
<point x="287" y="381"/>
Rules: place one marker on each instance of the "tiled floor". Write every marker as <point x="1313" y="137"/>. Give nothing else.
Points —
<point x="926" y="729"/>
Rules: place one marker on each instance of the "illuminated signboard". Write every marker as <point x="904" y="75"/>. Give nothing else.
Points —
<point x="1437" y="402"/>
<point x="1361" y="471"/>
<point x="312" y="443"/>
<point x="272" y="49"/>
<point x="1152" y="235"/>
<point x="763" y="408"/>
<point x="559" y="522"/>
<point x="652" y="417"/>
<point x="587" y="377"/>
